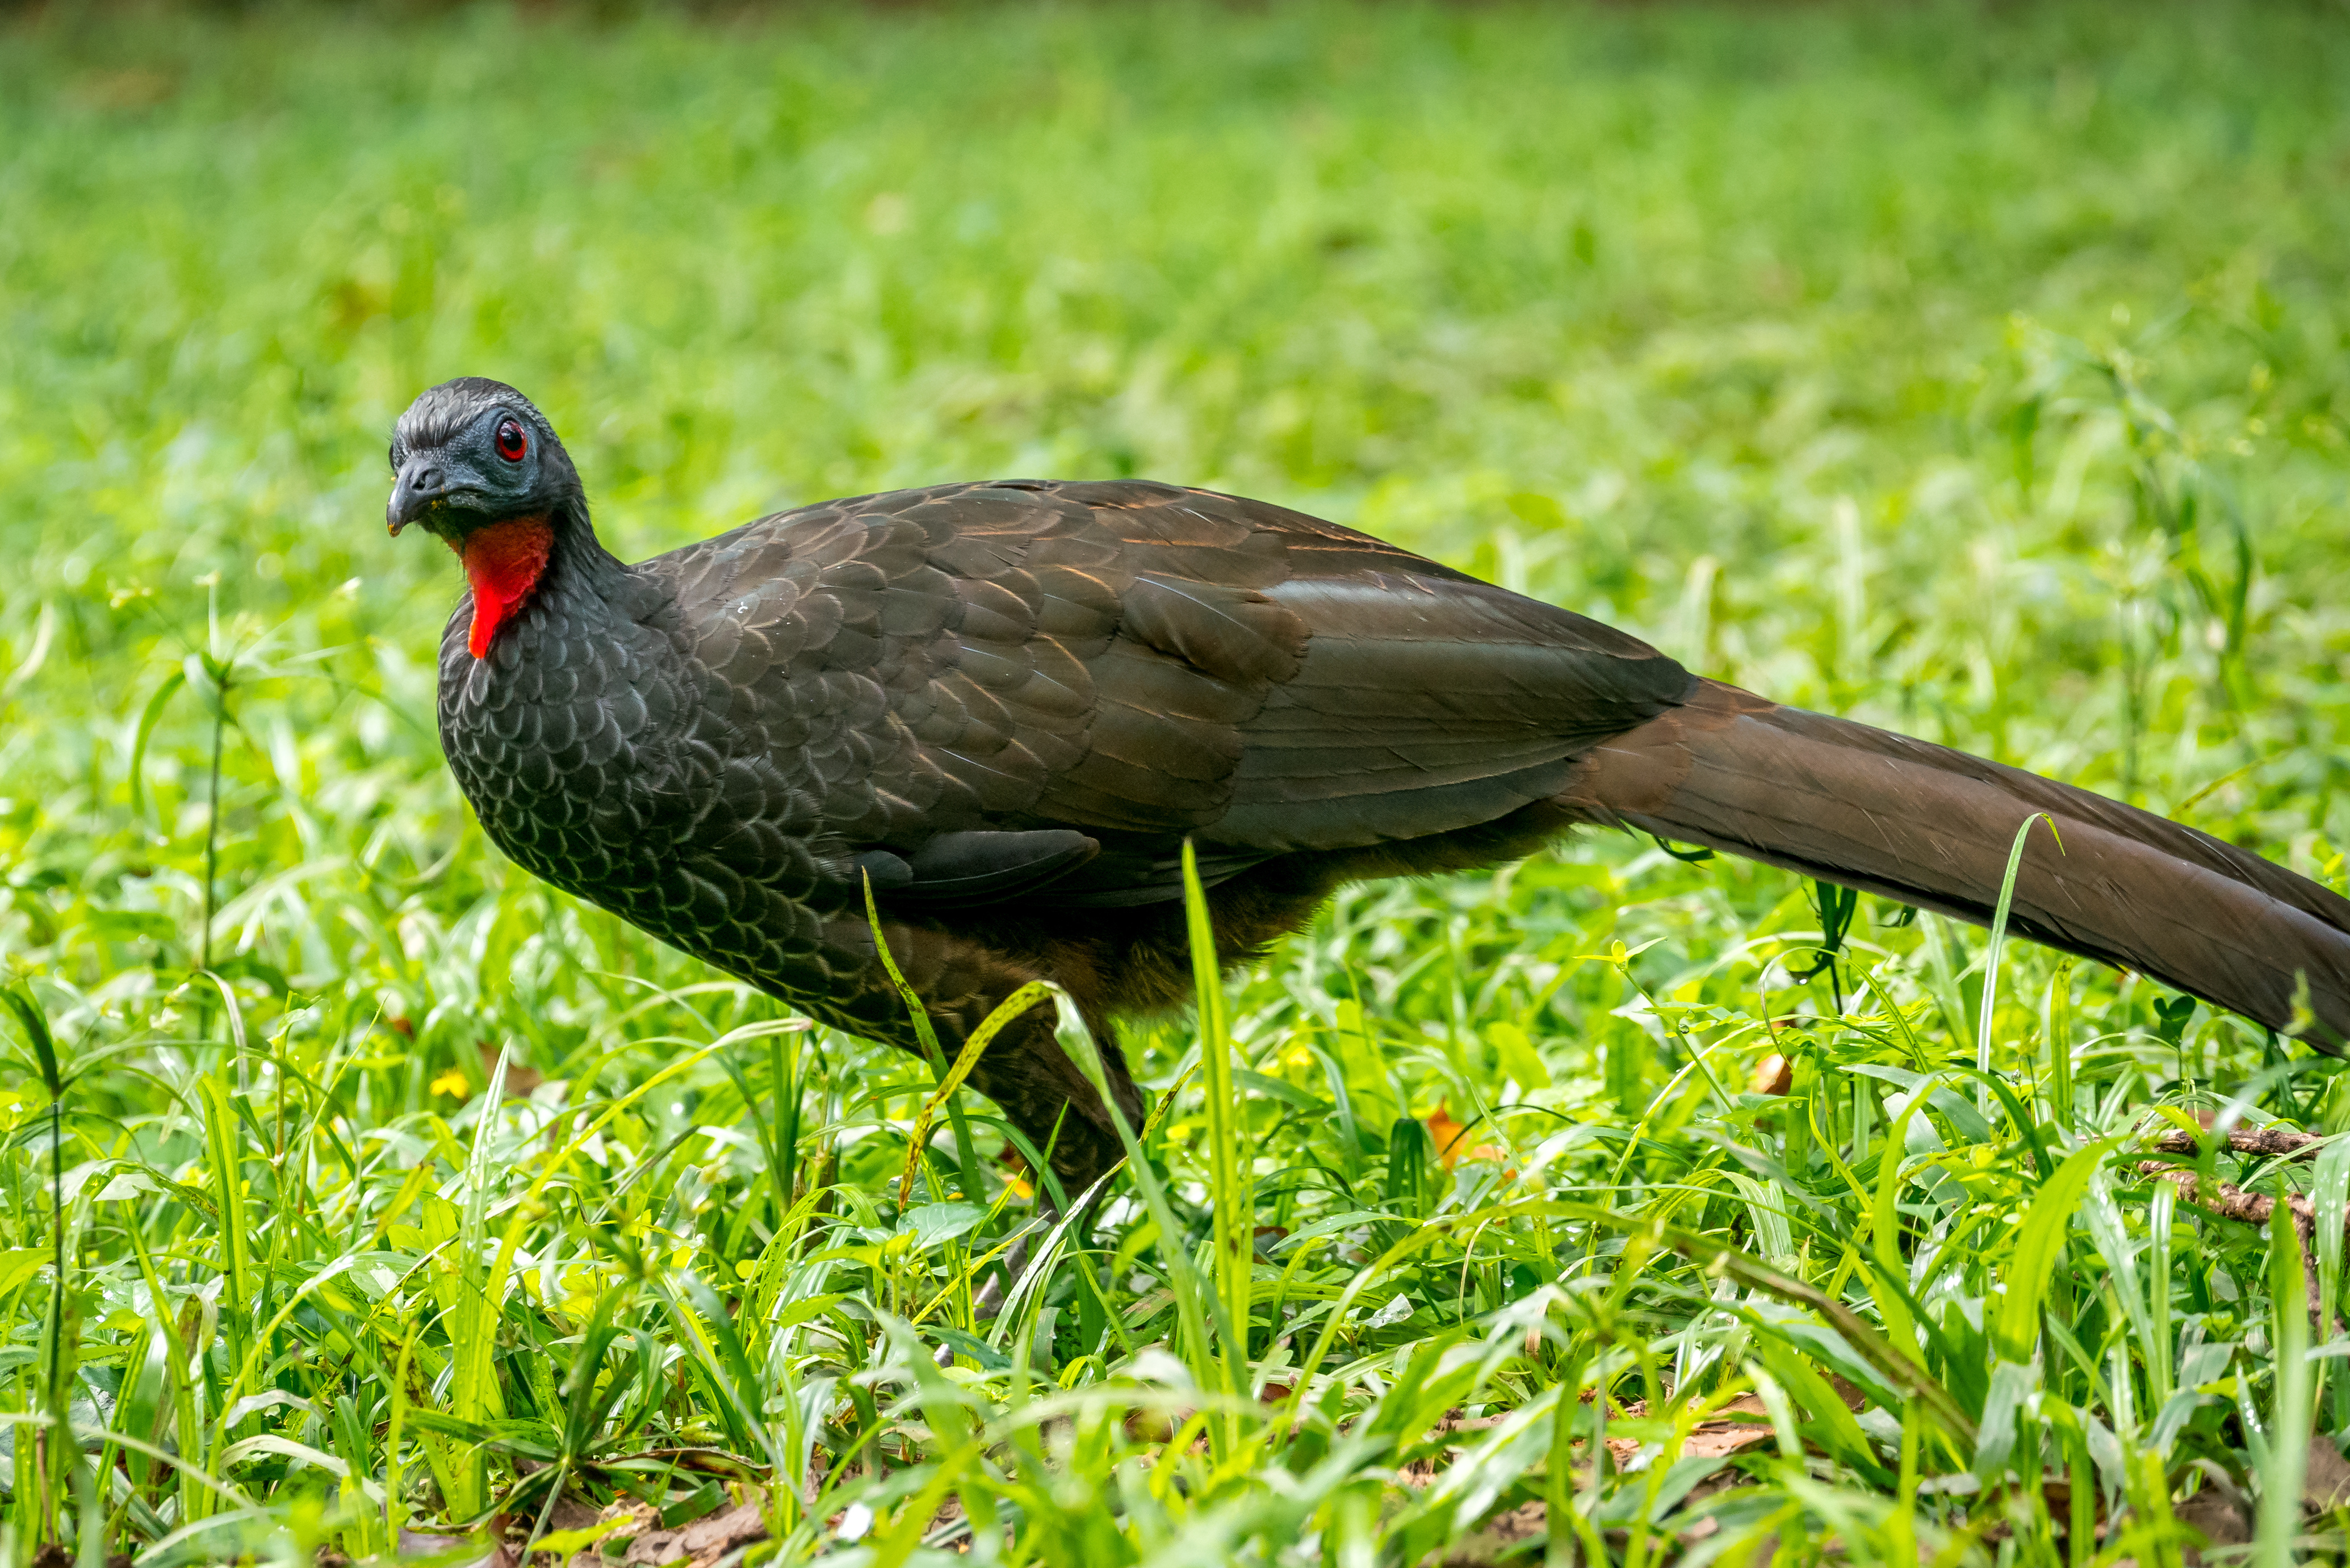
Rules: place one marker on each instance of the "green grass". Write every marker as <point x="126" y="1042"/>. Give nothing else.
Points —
<point x="1975" y="371"/>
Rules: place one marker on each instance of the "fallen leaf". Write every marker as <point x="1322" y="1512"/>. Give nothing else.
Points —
<point x="456" y="1551"/>
<point x="2219" y="1518"/>
<point x="1497" y="1537"/>
<point x="520" y="1079"/>
<point x="570" y="1513"/>
<point x="54" y="1555"/>
<point x="702" y="1542"/>
<point x="1717" y="1439"/>
<point x="633" y="1519"/>
<point x="1448" y="1135"/>
<point x="2324" y="1476"/>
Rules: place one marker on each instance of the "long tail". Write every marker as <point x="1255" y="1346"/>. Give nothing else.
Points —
<point x="1934" y="827"/>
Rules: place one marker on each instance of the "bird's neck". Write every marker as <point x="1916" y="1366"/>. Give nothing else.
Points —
<point x="513" y="558"/>
<point x="503" y="562"/>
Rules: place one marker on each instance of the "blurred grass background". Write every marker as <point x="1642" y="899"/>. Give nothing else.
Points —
<point x="1974" y="371"/>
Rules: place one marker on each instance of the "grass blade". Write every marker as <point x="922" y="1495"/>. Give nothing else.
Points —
<point x="1230" y="1201"/>
<point x="2039" y="1242"/>
<point x="1033" y="995"/>
<point x="925" y="1030"/>
<point x="1196" y="1303"/>
<point x="472" y="1332"/>
<point x="149" y="717"/>
<point x="1991" y="952"/>
<point x="227" y="1174"/>
<point x="2289" y="1415"/>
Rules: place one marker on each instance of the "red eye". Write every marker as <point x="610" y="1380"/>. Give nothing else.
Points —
<point x="512" y="441"/>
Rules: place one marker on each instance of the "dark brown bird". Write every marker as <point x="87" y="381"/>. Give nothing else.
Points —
<point x="1009" y="704"/>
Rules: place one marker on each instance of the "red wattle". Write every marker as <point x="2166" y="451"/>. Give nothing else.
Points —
<point x="503" y="562"/>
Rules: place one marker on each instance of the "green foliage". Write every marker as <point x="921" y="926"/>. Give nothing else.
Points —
<point x="1976" y="373"/>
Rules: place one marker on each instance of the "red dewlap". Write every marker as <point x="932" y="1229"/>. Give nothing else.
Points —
<point x="503" y="562"/>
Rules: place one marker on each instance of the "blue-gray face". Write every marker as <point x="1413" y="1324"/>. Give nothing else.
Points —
<point x="462" y="459"/>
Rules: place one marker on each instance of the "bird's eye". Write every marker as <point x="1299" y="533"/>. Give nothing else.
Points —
<point x="511" y="442"/>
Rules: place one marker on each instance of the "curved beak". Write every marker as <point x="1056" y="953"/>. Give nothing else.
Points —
<point x="423" y="485"/>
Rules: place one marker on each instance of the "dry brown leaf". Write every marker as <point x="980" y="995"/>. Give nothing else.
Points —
<point x="2217" y="1517"/>
<point x="419" y="1543"/>
<point x="2326" y="1476"/>
<point x="1450" y="1138"/>
<point x="520" y="1079"/>
<point x="1489" y="1541"/>
<point x="702" y="1542"/>
<point x="636" y="1517"/>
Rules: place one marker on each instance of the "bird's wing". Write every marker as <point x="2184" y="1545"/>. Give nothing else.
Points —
<point x="1134" y="663"/>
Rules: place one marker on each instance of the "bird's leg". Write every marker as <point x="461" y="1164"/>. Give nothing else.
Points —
<point x="1028" y="1075"/>
<point x="1038" y="1088"/>
<point x="1076" y="1137"/>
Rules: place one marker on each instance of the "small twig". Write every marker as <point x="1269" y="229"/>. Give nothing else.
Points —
<point x="2226" y="1200"/>
<point x="2277" y="1141"/>
<point x="2229" y="1201"/>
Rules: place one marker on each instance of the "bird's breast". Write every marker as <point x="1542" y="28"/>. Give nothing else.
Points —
<point x="594" y="755"/>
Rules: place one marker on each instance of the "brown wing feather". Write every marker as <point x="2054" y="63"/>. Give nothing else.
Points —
<point x="1141" y="662"/>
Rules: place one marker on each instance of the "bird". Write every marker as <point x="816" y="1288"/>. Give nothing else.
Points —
<point x="1002" y="709"/>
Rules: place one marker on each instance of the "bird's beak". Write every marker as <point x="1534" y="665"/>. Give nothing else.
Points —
<point x="422" y="484"/>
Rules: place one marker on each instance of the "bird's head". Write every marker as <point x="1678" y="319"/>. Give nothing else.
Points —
<point x="475" y="462"/>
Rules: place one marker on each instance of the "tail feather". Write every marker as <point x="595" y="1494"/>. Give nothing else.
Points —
<point x="1934" y="827"/>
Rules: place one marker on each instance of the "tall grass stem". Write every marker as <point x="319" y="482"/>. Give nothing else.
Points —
<point x="1231" y="1201"/>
